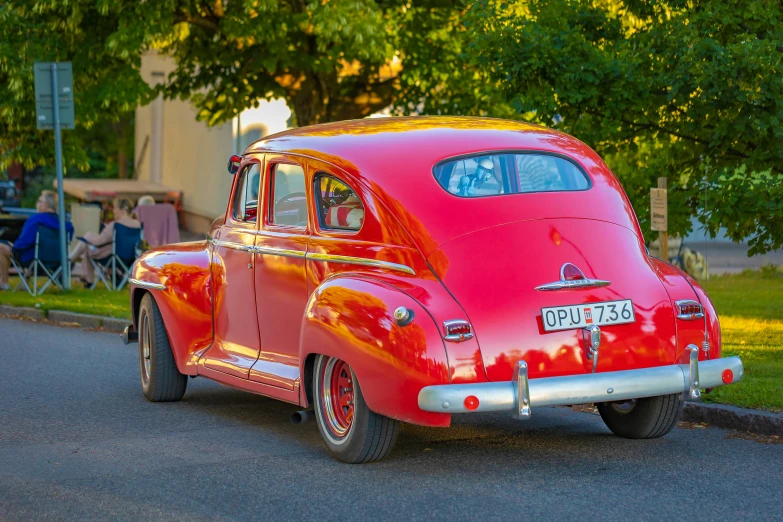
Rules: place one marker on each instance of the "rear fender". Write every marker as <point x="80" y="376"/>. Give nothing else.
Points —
<point x="680" y="285"/>
<point x="351" y="318"/>
<point x="185" y="302"/>
<point x="711" y="321"/>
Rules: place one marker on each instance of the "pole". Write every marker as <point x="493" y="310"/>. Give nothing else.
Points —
<point x="239" y="133"/>
<point x="58" y="158"/>
<point x="663" y="235"/>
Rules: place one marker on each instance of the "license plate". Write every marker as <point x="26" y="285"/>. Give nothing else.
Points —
<point x="578" y="316"/>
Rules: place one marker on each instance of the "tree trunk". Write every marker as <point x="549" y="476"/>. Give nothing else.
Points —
<point x="322" y="100"/>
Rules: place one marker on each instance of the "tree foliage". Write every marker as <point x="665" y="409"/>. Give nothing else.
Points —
<point x="106" y="80"/>
<point x="330" y="60"/>
<point x="691" y="90"/>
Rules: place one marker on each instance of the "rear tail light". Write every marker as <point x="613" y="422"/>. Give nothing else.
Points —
<point x="457" y="330"/>
<point x="471" y="402"/>
<point x="689" y="310"/>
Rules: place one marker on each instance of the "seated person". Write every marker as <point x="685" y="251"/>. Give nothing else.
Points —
<point x="145" y="201"/>
<point x="98" y="246"/>
<point x="24" y="247"/>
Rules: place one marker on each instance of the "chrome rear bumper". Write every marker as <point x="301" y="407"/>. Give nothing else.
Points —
<point x="521" y="393"/>
<point x="129" y="335"/>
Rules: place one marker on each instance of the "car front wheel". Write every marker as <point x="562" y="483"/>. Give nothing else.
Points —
<point x="647" y="418"/>
<point x="352" y="433"/>
<point x="161" y="381"/>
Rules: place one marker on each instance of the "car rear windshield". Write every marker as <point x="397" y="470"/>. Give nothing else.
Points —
<point x="509" y="173"/>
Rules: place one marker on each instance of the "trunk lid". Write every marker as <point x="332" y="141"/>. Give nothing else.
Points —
<point x="493" y="274"/>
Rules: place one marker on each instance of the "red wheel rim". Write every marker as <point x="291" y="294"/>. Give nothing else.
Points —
<point x="337" y="393"/>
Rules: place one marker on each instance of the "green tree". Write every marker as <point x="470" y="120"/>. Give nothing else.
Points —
<point x="330" y="60"/>
<point x="690" y="90"/>
<point x="106" y="82"/>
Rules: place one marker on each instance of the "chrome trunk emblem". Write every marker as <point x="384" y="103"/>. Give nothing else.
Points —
<point x="591" y="337"/>
<point x="571" y="277"/>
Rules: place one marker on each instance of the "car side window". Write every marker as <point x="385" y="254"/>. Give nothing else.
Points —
<point x="338" y="205"/>
<point x="289" y="201"/>
<point x="245" y="206"/>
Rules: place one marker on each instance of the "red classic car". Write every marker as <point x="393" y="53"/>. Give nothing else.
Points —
<point x="410" y="269"/>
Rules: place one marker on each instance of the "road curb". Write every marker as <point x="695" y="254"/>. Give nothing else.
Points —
<point x="83" y="320"/>
<point x="30" y="313"/>
<point x="111" y="324"/>
<point x="734" y="418"/>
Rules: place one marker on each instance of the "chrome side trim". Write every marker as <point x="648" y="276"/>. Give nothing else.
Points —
<point x="311" y="256"/>
<point x="581" y="389"/>
<point x="147" y="284"/>
<point x="572" y="285"/>
<point x="274" y="251"/>
<point x="236" y="246"/>
<point x="375" y="263"/>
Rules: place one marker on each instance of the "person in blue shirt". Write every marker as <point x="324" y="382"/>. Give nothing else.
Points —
<point x="24" y="247"/>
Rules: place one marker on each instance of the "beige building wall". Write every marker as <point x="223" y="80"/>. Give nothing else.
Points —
<point x="186" y="155"/>
<point x="192" y="156"/>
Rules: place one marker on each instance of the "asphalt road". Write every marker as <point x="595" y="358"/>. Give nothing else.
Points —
<point x="79" y="441"/>
<point x="730" y="258"/>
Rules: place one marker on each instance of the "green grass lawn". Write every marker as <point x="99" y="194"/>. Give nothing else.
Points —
<point x="96" y="302"/>
<point x="750" y="307"/>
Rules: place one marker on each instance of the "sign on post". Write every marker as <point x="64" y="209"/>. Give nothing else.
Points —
<point x="54" y="110"/>
<point x="658" y="209"/>
<point x="660" y="217"/>
<point x="44" y="102"/>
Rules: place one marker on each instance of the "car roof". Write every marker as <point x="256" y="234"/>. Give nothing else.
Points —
<point x="395" y="157"/>
<point x="356" y="140"/>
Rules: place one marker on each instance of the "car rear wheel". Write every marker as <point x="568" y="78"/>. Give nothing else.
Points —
<point x="161" y="381"/>
<point x="352" y="433"/>
<point x="647" y="418"/>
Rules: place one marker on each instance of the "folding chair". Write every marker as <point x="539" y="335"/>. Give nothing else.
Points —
<point x="123" y="254"/>
<point x="46" y="257"/>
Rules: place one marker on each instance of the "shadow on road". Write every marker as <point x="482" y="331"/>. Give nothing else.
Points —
<point x="558" y="432"/>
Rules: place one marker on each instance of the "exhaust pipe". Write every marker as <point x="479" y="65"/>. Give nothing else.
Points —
<point x="300" y="417"/>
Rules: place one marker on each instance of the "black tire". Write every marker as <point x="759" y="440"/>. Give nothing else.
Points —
<point x="160" y="378"/>
<point x="648" y="418"/>
<point x="368" y="437"/>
